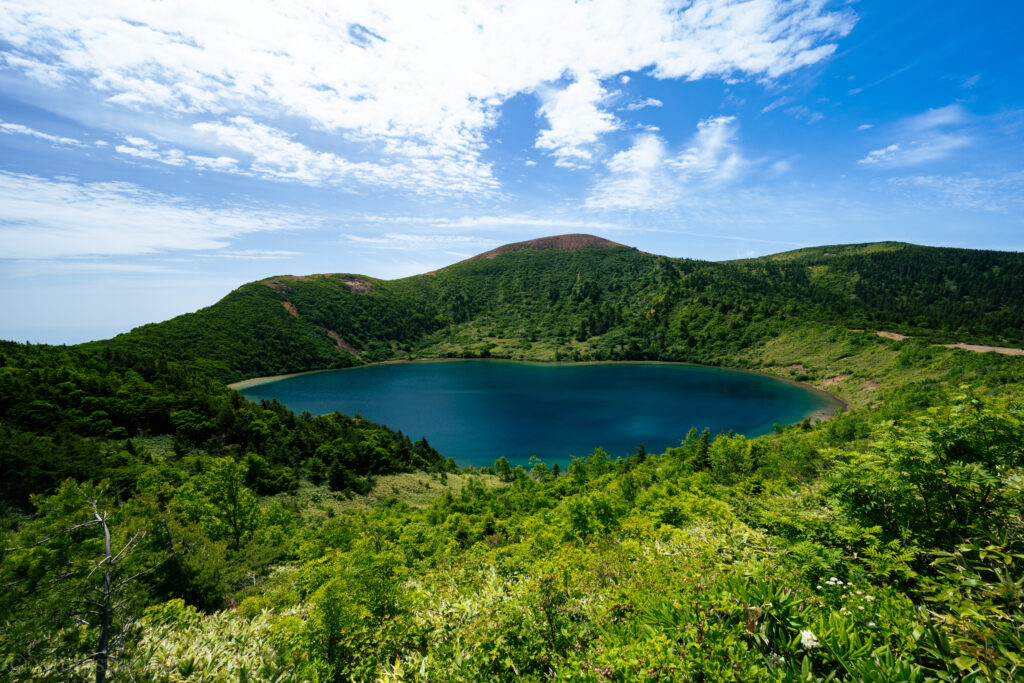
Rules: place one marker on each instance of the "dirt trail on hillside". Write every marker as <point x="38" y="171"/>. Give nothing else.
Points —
<point x="980" y="348"/>
<point x="893" y="336"/>
<point x="976" y="348"/>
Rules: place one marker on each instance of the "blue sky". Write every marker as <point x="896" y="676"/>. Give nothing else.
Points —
<point x="155" y="155"/>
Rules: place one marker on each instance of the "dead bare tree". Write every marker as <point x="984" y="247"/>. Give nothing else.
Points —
<point x="102" y="601"/>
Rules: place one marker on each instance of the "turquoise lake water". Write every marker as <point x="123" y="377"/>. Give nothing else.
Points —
<point x="477" y="411"/>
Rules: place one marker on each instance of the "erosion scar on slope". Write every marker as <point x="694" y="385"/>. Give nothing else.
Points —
<point x="341" y="343"/>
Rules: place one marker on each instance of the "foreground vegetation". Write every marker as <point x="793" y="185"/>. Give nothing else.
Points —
<point x="859" y="549"/>
<point x="250" y="543"/>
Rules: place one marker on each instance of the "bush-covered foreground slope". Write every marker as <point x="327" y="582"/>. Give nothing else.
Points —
<point x="862" y="548"/>
<point x="249" y="543"/>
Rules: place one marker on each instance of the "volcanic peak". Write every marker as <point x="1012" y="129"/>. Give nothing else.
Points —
<point x="570" y="242"/>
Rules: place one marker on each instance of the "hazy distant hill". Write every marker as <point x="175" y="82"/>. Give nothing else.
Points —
<point x="580" y="296"/>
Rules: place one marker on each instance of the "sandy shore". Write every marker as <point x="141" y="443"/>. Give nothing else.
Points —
<point x="256" y="381"/>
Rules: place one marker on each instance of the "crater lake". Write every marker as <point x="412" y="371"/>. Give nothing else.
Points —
<point x="479" y="410"/>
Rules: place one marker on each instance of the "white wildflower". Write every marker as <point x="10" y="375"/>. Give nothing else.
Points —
<point x="808" y="640"/>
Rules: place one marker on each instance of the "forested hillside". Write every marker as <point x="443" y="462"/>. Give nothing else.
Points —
<point x="158" y="527"/>
<point x="612" y="303"/>
<point x="69" y="412"/>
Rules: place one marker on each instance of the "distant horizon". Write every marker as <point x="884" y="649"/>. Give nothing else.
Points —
<point x="152" y="159"/>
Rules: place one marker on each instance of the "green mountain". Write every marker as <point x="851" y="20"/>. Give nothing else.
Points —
<point x="156" y="526"/>
<point x="578" y="297"/>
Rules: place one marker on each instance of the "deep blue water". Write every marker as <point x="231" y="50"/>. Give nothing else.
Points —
<point x="476" y="411"/>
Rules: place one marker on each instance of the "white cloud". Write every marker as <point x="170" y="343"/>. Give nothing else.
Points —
<point x="713" y="153"/>
<point x="38" y="70"/>
<point x="880" y="156"/>
<point x="637" y="179"/>
<point x="424" y="81"/>
<point x="644" y="103"/>
<point x="864" y="126"/>
<point x="647" y="176"/>
<point x="18" y="129"/>
<point x="575" y="121"/>
<point x="646" y="154"/>
<point x="144" y="149"/>
<point x="45" y="218"/>
<point x="141" y="148"/>
<point x="277" y="156"/>
<point x="221" y="163"/>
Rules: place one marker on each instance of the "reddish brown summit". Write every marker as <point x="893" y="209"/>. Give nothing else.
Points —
<point x="564" y="242"/>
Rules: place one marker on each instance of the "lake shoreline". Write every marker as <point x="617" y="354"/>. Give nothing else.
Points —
<point x="820" y="415"/>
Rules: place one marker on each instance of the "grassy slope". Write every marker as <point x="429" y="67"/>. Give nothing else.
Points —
<point x="859" y="366"/>
<point x="415" y="489"/>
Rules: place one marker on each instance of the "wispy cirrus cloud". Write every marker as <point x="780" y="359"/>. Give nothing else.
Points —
<point x="76" y="266"/>
<point x="636" y="105"/>
<point x="19" y="129"/>
<point x="780" y="102"/>
<point x="46" y="218"/>
<point x="498" y="222"/>
<point x="933" y="135"/>
<point x="416" y="86"/>
<point x="916" y="152"/>
<point x="940" y="117"/>
<point x="997" y="194"/>
<point x="252" y="254"/>
<point x="415" y="242"/>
